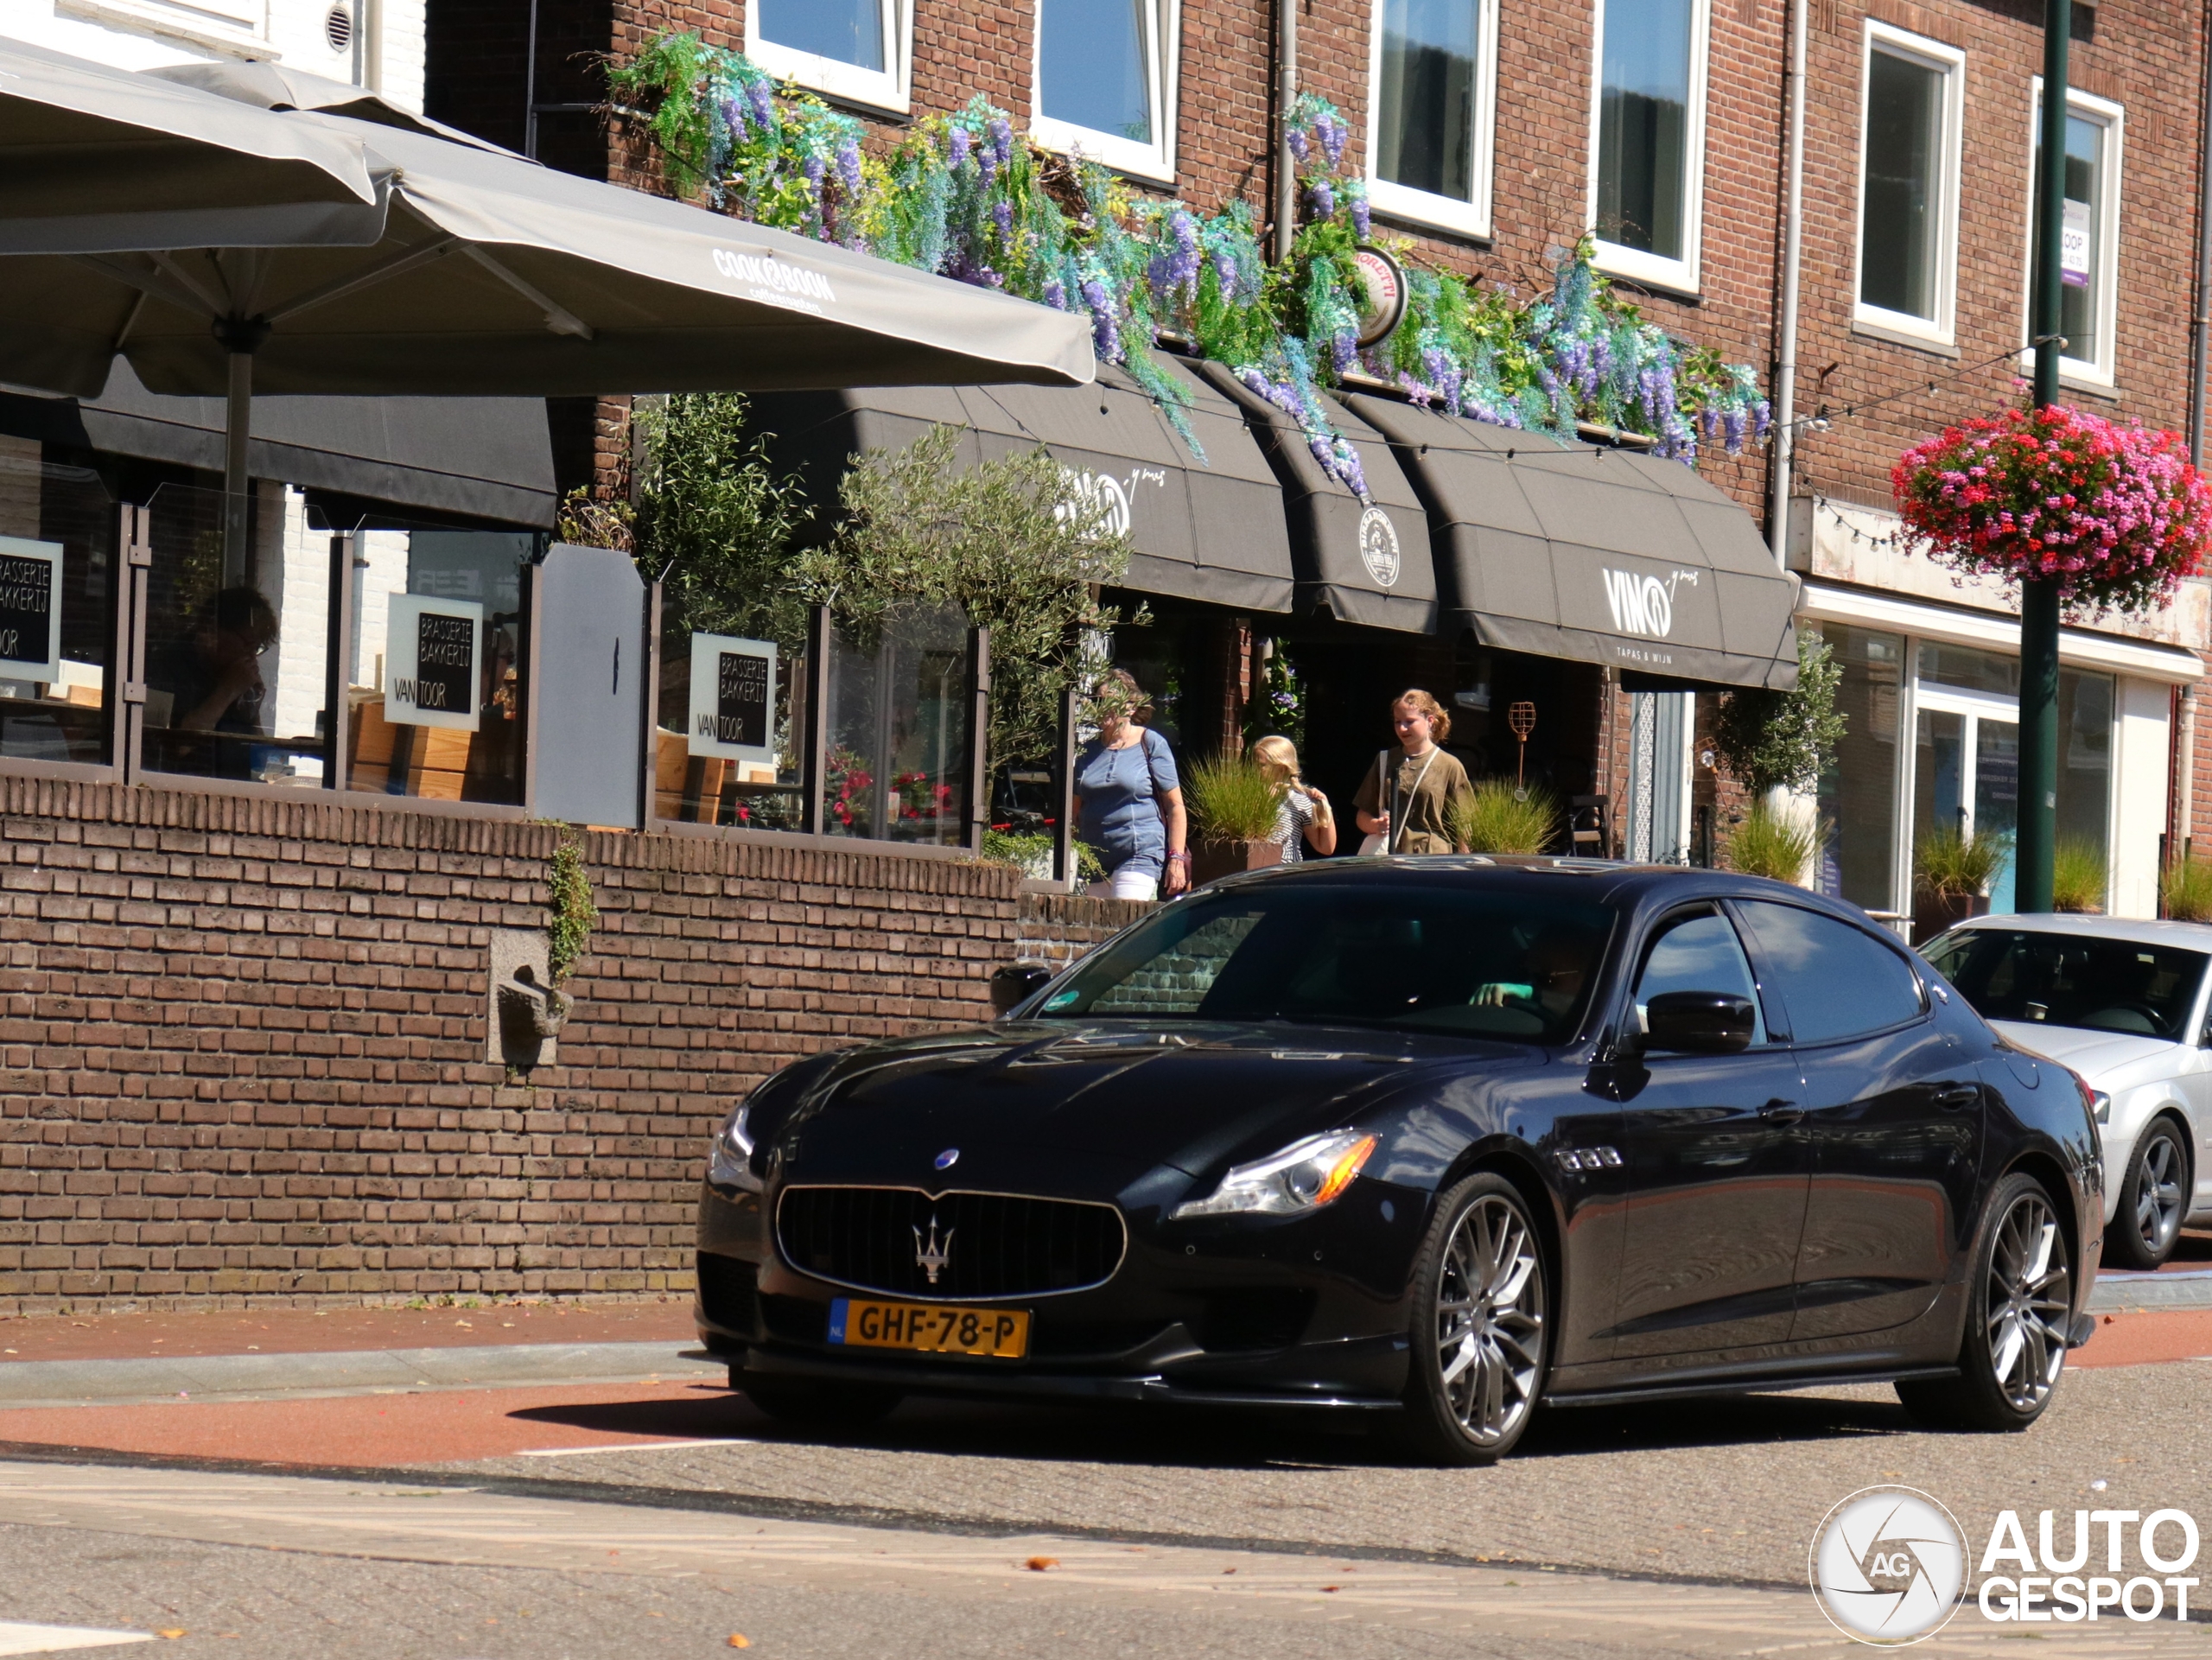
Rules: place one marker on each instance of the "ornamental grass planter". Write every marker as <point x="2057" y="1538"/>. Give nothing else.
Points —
<point x="1933" y="912"/>
<point x="1212" y="861"/>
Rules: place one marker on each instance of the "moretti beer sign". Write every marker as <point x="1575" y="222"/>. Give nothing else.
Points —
<point x="30" y="609"/>
<point x="733" y="698"/>
<point x="432" y="651"/>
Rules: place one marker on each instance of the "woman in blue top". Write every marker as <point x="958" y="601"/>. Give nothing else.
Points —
<point x="1129" y="800"/>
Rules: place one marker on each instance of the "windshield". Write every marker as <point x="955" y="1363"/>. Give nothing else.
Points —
<point x="2104" y="985"/>
<point x="1474" y="964"/>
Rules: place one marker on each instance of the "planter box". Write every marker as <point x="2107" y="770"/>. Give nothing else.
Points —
<point x="1212" y="861"/>
<point x="1933" y="912"/>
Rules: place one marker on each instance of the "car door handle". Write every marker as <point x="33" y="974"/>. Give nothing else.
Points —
<point x="1951" y="1096"/>
<point x="1781" y="1112"/>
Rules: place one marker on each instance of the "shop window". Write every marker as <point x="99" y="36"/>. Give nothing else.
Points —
<point x="856" y="49"/>
<point x="433" y="667"/>
<point x="896" y="761"/>
<point x="1969" y="669"/>
<point x="1105" y="82"/>
<point x="2088" y="260"/>
<point x="58" y="534"/>
<point x="235" y="639"/>
<point x="732" y="730"/>
<point x="1909" y="167"/>
<point x="1648" y="157"/>
<point x="1858" y="790"/>
<point x="2085" y="721"/>
<point x="1434" y="74"/>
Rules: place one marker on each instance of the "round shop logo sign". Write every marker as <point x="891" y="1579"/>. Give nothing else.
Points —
<point x="1378" y="546"/>
<point x="1887" y="1565"/>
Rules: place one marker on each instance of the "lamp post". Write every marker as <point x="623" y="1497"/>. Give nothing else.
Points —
<point x="2038" y="782"/>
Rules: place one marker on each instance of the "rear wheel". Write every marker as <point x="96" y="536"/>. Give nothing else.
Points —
<point x="1481" y="1334"/>
<point x="2021" y="1304"/>
<point x="818" y="1406"/>
<point x="2153" y="1197"/>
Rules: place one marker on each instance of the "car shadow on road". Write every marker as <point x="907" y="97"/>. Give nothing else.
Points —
<point x="1206" y="1438"/>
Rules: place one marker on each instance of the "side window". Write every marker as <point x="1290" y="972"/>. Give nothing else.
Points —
<point x="1699" y="952"/>
<point x="1835" y="981"/>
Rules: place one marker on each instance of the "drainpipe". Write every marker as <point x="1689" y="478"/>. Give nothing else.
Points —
<point x="1793" y="242"/>
<point x="1286" y="95"/>
<point x="530" y="85"/>
<point x="2202" y="321"/>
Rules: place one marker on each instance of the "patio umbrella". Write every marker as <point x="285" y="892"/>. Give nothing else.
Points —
<point x="496" y="274"/>
<point x="95" y="160"/>
<point x="269" y="86"/>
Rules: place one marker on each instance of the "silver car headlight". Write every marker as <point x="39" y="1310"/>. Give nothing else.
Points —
<point x="1304" y="1176"/>
<point x="729" y="1152"/>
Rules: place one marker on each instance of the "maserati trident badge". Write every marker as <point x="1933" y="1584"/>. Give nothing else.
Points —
<point x="932" y="1255"/>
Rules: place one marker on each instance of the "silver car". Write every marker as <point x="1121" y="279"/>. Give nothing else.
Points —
<point x="2123" y="1004"/>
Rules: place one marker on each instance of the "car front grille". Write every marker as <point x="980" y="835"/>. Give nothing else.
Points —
<point x="991" y="1245"/>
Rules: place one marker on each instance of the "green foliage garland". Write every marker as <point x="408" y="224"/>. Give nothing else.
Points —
<point x="966" y="196"/>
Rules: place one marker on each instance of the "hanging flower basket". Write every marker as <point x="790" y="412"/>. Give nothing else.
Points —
<point x="2112" y="512"/>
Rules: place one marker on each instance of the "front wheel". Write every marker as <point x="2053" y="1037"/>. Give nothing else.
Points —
<point x="1481" y="1334"/>
<point x="2153" y="1197"/>
<point x="2020" y="1306"/>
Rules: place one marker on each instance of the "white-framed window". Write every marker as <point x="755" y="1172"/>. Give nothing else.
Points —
<point x="1432" y="67"/>
<point x="2089" y="263"/>
<point x="1105" y="82"/>
<point x="1912" y="101"/>
<point x="1647" y="151"/>
<point x="860" y="51"/>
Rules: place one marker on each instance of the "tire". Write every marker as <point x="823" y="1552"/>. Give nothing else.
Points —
<point x="818" y="1406"/>
<point x="2020" y="1302"/>
<point x="2153" y="1197"/>
<point x="1481" y="1327"/>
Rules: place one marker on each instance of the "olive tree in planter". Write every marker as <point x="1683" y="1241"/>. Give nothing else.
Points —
<point x="1776" y="744"/>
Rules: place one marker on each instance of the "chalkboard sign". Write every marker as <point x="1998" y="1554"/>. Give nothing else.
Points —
<point x="733" y="714"/>
<point x="30" y="609"/>
<point x="432" y="649"/>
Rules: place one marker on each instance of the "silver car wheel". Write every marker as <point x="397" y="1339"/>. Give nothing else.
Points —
<point x="2158" y="1191"/>
<point x="1490" y="1320"/>
<point x="2030" y="1297"/>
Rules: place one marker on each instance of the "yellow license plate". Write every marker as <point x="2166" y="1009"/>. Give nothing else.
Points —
<point x="931" y="1328"/>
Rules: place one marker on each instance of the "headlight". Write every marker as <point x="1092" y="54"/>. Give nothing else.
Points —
<point x="729" y="1152"/>
<point x="2100" y="1106"/>
<point x="1304" y="1176"/>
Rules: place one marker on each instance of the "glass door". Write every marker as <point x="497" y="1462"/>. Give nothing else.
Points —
<point x="1967" y="774"/>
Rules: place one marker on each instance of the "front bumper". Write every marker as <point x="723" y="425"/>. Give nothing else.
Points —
<point x="1234" y="1315"/>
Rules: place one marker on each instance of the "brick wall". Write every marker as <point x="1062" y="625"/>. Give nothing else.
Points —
<point x="244" y="1038"/>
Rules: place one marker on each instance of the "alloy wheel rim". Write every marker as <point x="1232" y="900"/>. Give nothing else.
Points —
<point x="1489" y="1321"/>
<point x="2030" y="1299"/>
<point x="2157" y="1194"/>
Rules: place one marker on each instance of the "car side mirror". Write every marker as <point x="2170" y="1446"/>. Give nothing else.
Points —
<point x="1699" y="1023"/>
<point x="1013" y="984"/>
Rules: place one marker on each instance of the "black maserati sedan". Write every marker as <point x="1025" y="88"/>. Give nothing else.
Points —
<point x="1438" y="1139"/>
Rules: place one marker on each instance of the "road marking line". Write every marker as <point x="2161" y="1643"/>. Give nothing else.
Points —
<point x="626" y="1446"/>
<point x="53" y="1640"/>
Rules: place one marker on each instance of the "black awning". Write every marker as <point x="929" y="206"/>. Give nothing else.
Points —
<point x="1601" y="555"/>
<point x="1361" y="561"/>
<point x="1210" y="531"/>
<point x="489" y="458"/>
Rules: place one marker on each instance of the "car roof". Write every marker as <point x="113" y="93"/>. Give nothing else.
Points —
<point x="1614" y="883"/>
<point x="2134" y="931"/>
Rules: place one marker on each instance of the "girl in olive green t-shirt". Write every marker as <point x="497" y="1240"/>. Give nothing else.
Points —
<point x="1410" y="805"/>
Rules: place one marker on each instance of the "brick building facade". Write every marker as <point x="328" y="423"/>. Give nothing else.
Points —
<point x="1865" y="391"/>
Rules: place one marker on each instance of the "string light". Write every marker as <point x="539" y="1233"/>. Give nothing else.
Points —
<point x="1821" y="419"/>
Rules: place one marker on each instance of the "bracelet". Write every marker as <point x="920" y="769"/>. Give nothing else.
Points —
<point x="1179" y="858"/>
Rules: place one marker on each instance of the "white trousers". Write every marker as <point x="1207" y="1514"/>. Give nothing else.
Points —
<point x="1127" y="883"/>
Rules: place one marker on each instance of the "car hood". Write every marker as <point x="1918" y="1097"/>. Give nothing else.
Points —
<point x="2104" y="1058"/>
<point x="1088" y="1109"/>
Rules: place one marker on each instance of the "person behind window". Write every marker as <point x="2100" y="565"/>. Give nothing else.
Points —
<point x="212" y="674"/>
<point x="1128" y="797"/>
<point x="1302" y="814"/>
<point x="1408" y="810"/>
